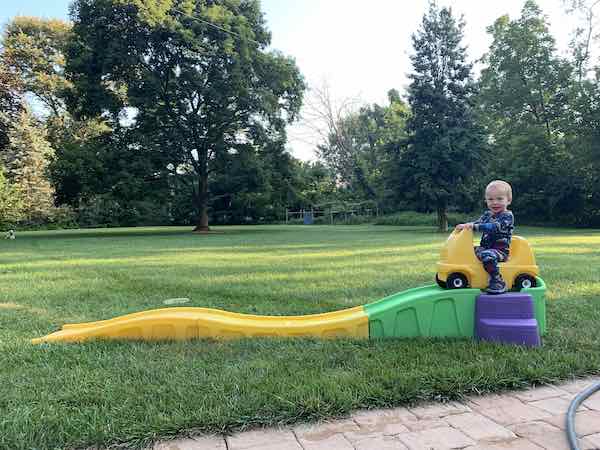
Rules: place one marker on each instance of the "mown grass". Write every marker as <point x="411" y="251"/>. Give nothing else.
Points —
<point x="108" y="393"/>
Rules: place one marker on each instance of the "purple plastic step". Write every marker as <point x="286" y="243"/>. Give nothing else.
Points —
<point x="512" y="305"/>
<point x="509" y="331"/>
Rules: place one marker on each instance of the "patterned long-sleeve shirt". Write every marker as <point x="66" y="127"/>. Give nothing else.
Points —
<point x="497" y="230"/>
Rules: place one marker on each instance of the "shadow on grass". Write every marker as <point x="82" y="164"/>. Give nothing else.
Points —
<point x="104" y="232"/>
<point x="283" y="253"/>
<point x="218" y="230"/>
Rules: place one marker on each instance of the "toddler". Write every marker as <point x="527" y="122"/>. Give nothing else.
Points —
<point x="497" y="226"/>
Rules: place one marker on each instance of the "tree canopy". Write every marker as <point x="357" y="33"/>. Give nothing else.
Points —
<point x="526" y="96"/>
<point x="33" y="48"/>
<point x="175" y="111"/>
<point x="203" y="86"/>
<point x="357" y="146"/>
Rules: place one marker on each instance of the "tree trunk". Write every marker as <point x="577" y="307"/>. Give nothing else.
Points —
<point x="202" y="207"/>
<point x="442" y="219"/>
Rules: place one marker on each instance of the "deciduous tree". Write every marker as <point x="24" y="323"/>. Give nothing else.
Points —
<point x="197" y="73"/>
<point x="354" y="139"/>
<point x="528" y="103"/>
<point x="33" y="50"/>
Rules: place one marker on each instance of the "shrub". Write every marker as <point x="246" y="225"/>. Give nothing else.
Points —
<point x="412" y="218"/>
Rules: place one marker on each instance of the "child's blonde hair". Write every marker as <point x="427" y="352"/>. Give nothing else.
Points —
<point x="503" y="185"/>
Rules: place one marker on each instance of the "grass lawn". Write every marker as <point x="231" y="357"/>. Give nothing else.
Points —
<point x="102" y="393"/>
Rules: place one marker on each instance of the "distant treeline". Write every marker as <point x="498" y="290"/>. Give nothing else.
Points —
<point x="138" y="113"/>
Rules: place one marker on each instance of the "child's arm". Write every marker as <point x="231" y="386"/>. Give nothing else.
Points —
<point x="465" y="226"/>
<point x="503" y="224"/>
<point x="471" y="225"/>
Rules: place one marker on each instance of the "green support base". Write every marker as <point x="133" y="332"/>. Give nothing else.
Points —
<point x="431" y="311"/>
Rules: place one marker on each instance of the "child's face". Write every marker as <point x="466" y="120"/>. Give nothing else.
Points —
<point x="496" y="199"/>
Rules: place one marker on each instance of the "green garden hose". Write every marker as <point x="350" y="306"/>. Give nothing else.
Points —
<point x="582" y="396"/>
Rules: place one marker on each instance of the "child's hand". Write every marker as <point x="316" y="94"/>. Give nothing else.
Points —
<point x="465" y="226"/>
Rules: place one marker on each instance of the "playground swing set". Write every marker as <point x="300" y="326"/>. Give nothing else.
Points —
<point x="331" y="213"/>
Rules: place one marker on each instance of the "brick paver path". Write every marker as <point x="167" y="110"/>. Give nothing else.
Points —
<point x="523" y="420"/>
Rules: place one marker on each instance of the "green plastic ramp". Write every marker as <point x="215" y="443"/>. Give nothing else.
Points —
<point x="431" y="311"/>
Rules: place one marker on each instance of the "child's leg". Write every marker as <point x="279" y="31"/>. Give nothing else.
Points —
<point x="490" y="259"/>
<point x="478" y="251"/>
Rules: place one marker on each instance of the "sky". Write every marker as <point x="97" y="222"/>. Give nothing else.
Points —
<point x="359" y="48"/>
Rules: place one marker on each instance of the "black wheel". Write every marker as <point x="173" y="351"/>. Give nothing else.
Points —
<point x="457" y="281"/>
<point x="440" y="283"/>
<point x="524" y="281"/>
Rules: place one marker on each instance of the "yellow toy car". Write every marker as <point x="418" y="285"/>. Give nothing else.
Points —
<point x="459" y="267"/>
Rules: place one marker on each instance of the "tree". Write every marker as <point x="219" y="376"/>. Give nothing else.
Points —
<point x="108" y="176"/>
<point x="11" y="103"/>
<point x="524" y="81"/>
<point x="445" y="142"/>
<point x="196" y="72"/>
<point x="583" y="118"/>
<point x="11" y="202"/>
<point x="33" y="50"/>
<point x="79" y="168"/>
<point x="327" y="121"/>
<point x="312" y="184"/>
<point x="26" y="160"/>
<point x="354" y="139"/>
<point x="585" y="35"/>
<point x="526" y="98"/>
<point x="246" y="182"/>
<point x="378" y="130"/>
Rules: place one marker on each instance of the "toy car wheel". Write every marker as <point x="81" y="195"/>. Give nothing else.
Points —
<point x="524" y="281"/>
<point x="440" y="283"/>
<point x="457" y="281"/>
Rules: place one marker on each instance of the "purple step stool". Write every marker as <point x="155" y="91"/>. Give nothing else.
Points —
<point x="507" y="318"/>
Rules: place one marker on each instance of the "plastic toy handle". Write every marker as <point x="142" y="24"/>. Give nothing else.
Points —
<point x="458" y="234"/>
<point x="454" y="235"/>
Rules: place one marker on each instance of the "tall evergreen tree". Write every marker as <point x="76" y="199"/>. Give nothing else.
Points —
<point x="445" y="144"/>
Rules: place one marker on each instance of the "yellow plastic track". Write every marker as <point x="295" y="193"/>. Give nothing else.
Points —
<point x="192" y="323"/>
